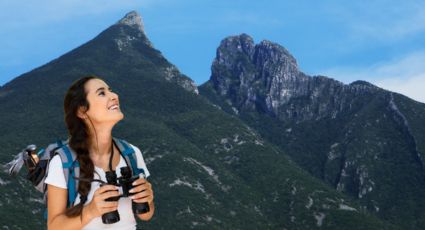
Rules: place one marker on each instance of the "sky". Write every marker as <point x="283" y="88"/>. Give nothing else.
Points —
<point x="382" y="42"/>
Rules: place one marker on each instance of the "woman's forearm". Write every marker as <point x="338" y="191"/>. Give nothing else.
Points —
<point x="64" y="222"/>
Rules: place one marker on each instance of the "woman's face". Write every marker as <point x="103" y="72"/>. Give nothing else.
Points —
<point x="104" y="104"/>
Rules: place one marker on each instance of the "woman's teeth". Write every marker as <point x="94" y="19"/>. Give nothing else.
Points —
<point x="113" y="107"/>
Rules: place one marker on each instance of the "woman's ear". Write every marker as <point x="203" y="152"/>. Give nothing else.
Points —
<point x="81" y="113"/>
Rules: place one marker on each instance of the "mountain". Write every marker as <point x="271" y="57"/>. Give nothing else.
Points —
<point x="208" y="168"/>
<point x="361" y="140"/>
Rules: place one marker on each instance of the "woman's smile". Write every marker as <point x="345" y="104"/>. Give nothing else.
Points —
<point x="114" y="107"/>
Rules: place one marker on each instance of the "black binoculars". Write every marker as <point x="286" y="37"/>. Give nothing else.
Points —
<point x="126" y="182"/>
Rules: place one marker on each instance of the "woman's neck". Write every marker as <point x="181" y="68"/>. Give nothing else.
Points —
<point x="101" y="142"/>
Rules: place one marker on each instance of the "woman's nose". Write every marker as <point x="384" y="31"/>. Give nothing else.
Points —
<point x="114" y="96"/>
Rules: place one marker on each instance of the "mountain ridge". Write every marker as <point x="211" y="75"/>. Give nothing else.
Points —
<point x="348" y="135"/>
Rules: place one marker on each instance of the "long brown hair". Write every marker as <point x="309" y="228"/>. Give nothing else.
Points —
<point x="79" y="141"/>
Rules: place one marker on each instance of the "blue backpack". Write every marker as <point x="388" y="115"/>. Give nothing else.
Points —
<point x="71" y="167"/>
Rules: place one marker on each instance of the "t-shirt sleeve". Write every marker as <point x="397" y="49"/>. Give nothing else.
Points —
<point x="55" y="174"/>
<point x="140" y="161"/>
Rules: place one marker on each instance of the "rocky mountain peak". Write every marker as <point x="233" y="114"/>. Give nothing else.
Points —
<point x="239" y="43"/>
<point x="136" y="44"/>
<point x="276" y="52"/>
<point x="234" y="46"/>
<point x="266" y="77"/>
<point x="132" y="19"/>
<point x="249" y="73"/>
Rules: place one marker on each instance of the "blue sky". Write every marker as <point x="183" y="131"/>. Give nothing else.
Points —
<point x="382" y="42"/>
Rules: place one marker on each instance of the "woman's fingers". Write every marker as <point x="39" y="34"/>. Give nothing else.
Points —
<point x="141" y="186"/>
<point x="140" y="181"/>
<point x="142" y="193"/>
<point x="106" y="210"/>
<point x="106" y="206"/>
<point x="147" y="199"/>
<point x="105" y="188"/>
<point x="99" y="199"/>
<point x="108" y="194"/>
<point x="144" y="200"/>
<point x="109" y="204"/>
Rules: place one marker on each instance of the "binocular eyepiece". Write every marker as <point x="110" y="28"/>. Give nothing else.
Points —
<point x="126" y="182"/>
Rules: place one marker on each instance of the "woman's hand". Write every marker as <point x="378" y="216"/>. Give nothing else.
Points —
<point x="142" y="191"/>
<point x="98" y="206"/>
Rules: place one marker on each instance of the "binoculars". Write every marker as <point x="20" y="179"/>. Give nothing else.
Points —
<point x="125" y="181"/>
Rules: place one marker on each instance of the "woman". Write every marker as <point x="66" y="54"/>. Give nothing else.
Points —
<point x="91" y="111"/>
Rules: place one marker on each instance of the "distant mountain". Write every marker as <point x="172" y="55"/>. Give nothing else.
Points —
<point x="360" y="139"/>
<point x="208" y="168"/>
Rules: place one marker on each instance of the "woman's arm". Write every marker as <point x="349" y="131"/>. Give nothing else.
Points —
<point x="57" y="199"/>
<point x="56" y="205"/>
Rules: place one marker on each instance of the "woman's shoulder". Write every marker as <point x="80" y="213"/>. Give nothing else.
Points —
<point x="122" y="141"/>
<point x="55" y="174"/>
<point x="56" y="161"/>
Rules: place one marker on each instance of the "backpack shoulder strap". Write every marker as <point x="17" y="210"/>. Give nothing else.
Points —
<point x="71" y="169"/>
<point x="129" y="155"/>
<point x="40" y="174"/>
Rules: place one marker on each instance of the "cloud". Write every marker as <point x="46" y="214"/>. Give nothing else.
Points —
<point x="405" y="75"/>
<point x="412" y="87"/>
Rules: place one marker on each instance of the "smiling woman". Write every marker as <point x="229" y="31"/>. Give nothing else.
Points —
<point x="91" y="112"/>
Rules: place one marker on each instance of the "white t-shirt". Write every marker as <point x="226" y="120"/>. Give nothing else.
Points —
<point x="127" y="221"/>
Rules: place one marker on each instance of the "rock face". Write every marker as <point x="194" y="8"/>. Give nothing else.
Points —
<point x="132" y="19"/>
<point x="360" y="139"/>
<point x="128" y="41"/>
<point x="265" y="77"/>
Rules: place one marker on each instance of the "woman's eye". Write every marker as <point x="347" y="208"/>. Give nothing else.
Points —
<point x="102" y="93"/>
